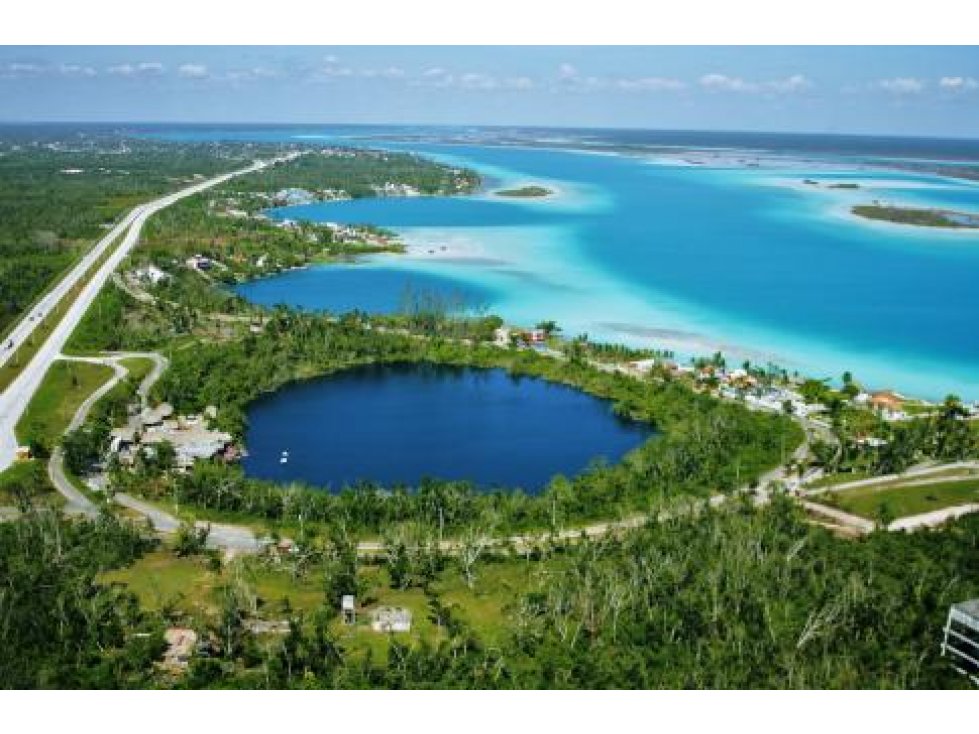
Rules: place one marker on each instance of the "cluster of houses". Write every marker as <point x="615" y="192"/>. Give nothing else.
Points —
<point x="389" y="188"/>
<point x="739" y="384"/>
<point x="190" y="437"/>
<point x="345" y="233"/>
<point x="297" y="197"/>
<point x="506" y="336"/>
<point x="293" y="197"/>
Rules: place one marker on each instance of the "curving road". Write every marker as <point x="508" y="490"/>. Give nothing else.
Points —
<point x="15" y="398"/>
<point x="226" y="537"/>
<point x="77" y="503"/>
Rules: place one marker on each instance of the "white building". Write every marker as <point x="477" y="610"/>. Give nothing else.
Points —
<point x="152" y="274"/>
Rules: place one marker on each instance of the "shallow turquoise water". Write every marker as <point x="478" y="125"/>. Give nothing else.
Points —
<point x="748" y="260"/>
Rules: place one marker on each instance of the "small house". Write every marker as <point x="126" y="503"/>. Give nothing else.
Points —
<point x="199" y="262"/>
<point x="348" y="609"/>
<point x="885" y="400"/>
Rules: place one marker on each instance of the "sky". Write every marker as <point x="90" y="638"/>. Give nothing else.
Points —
<point x="926" y="91"/>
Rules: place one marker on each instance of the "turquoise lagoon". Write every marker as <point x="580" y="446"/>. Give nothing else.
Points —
<point x="695" y="258"/>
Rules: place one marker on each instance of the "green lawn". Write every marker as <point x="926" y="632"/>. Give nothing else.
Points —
<point x="138" y="367"/>
<point x="902" y="500"/>
<point x="64" y="388"/>
<point x="831" y="480"/>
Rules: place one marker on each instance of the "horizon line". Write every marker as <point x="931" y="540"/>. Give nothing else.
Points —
<point x="498" y="126"/>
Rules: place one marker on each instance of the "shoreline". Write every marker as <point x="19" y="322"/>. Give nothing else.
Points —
<point x="473" y="255"/>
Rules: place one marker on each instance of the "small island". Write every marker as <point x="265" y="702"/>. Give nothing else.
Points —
<point x="918" y="217"/>
<point x="526" y="192"/>
<point x="844" y="185"/>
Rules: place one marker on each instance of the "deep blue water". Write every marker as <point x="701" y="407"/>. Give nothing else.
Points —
<point x="400" y="423"/>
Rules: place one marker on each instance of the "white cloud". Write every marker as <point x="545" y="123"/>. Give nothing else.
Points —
<point x="150" y="67"/>
<point x="794" y="83"/>
<point x="567" y="71"/>
<point x="16" y="69"/>
<point x="478" y="81"/>
<point x="253" y="74"/>
<point x="440" y="78"/>
<point x="723" y="83"/>
<point x="331" y="69"/>
<point x="902" y="85"/>
<point x="391" y="72"/>
<point x="519" y="82"/>
<point x="569" y="78"/>
<point x="76" y="70"/>
<point x="192" y="71"/>
<point x="143" y="68"/>
<point x="263" y="72"/>
<point x="650" y="84"/>
<point x="958" y="83"/>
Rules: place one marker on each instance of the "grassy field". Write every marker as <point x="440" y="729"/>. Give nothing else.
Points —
<point x="64" y="388"/>
<point x="832" y="480"/>
<point x="191" y="586"/>
<point x="138" y="367"/>
<point x="903" y="500"/>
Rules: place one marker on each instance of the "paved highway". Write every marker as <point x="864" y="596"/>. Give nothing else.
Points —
<point x="15" y="398"/>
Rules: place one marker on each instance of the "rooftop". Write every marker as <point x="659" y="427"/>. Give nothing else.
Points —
<point x="970" y="608"/>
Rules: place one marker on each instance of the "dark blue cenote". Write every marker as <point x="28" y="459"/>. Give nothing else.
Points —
<point x="397" y="424"/>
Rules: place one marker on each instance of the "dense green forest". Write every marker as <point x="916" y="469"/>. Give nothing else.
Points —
<point x="738" y="598"/>
<point x="59" y="627"/>
<point x="59" y="193"/>
<point x="358" y="173"/>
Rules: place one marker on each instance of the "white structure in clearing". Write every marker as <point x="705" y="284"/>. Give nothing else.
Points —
<point x="151" y="274"/>
<point x="348" y="609"/>
<point x="391" y="619"/>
